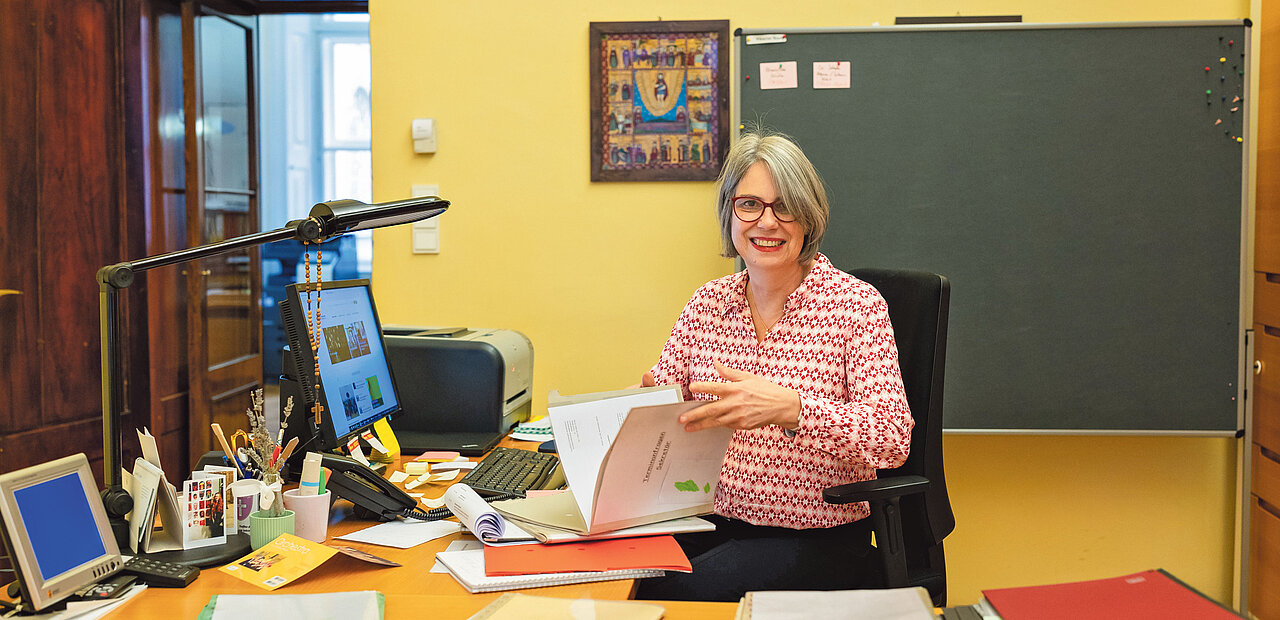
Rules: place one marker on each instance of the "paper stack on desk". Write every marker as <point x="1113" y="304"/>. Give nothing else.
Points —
<point x="628" y="462"/>
<point x="467" y="567"/>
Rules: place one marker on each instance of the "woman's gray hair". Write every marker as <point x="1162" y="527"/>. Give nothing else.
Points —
<point x="798" y="183"/>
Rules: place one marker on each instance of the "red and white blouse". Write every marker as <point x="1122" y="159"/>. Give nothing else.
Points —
<point x="834" y="345"/>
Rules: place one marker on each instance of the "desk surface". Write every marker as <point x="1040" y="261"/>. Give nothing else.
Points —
<point x="410" y="589"/>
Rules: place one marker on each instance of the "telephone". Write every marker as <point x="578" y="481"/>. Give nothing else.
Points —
<point x="370" y="492"/>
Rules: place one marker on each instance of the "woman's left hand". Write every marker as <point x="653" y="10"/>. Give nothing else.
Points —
<point x="747" y="401"/>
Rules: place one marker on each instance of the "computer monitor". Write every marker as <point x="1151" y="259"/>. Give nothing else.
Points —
<point x="55" y="530"/>
<point x="356" y="385"/>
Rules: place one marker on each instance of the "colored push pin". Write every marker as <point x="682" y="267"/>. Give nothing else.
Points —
<point x="1208" y="92"/>
<point x="1239" y="139"/>
<point x="1222" y="78"/>
<point x="1231" y="42"/>
<point x="1217" y="122"/>
<point x="1207" y="69"/>
<point x="1223" y="59"/>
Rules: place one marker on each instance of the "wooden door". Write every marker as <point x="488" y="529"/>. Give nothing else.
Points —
<point x="1262" y="581"/>
<point x="224" y="327"/>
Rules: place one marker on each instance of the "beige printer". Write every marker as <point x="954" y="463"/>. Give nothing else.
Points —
<point x="460" y="388"/>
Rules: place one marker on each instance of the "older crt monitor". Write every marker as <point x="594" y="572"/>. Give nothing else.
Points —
<point x="356" y="385"/>
<point x="55" y="530"/>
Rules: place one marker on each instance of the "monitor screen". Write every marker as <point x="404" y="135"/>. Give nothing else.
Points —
<point x="56" y="529"/>
<point x="356" y="385"/>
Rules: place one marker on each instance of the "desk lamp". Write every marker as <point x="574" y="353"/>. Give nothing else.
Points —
<point x="326" y="220"/>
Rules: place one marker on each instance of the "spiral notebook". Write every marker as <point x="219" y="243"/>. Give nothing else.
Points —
<point x="467" y="567"/>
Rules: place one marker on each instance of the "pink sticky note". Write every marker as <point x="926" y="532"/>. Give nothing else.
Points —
<point x="831" y="74"/>
<point x="777" y="75"/>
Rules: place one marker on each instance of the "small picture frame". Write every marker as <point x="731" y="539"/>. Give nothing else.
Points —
<point x="205" y="520"/>
<point x="659" y="100"/>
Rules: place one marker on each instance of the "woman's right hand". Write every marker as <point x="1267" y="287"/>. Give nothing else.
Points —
<point x="646" y="381"/>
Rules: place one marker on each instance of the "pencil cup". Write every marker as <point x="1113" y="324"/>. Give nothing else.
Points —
<point x="264" y="528"/>
<point x="311" y="514"/>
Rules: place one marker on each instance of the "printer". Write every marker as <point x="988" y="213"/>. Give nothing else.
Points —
<point x="458" y="383"/>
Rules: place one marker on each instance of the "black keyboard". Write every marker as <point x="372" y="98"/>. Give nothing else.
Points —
<point x="510" y="471"/>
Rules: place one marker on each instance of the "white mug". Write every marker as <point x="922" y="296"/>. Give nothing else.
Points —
<point x="250" y="496"/>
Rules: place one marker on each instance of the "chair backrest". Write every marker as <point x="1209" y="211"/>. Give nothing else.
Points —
<point x="918" y="308"/>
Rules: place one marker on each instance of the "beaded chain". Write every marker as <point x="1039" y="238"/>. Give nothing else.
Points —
<point x="313" y="323"/>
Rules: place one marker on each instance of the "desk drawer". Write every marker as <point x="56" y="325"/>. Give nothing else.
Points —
<point x="1266" y="387"/>
<point x="1264" y="561"/>
<point x="1266" y="475"/>
<point x="1266" y="298"/>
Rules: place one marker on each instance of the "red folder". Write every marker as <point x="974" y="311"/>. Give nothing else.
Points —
<point x="661" y="552"/>
<point x="1151" y="594"/>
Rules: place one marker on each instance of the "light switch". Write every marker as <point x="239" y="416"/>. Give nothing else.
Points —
<point x="424" y="135"/>
<point x="426" y="233"/>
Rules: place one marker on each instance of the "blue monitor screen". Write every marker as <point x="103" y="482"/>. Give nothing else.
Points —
<point x="59" y="524"/>
<point x="353" y="366"/>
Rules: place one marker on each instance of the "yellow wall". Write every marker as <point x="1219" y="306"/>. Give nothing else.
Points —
<point x="595" y="274"/>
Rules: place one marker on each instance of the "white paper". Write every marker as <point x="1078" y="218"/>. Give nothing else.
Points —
<point x="398" y="476"/>
<point x="480" y="518"/>
<point x="346" y="605"/>
<point x="403" y="534"/>
<point x="149" y="450"/>
<point x="831" y="74"/>
<point x="895" y="604"/>
<point x="584" y="432"/>
<point x="453" y="466"/>
<point x="774" y="75"/>
<point x="657" y="470"/>
<point x="374" y="443"/>
<point x="457" y="545"/>
<point x="759" y="39"/>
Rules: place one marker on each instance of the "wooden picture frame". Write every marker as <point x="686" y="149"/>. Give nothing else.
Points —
<point x="659" y="100"/>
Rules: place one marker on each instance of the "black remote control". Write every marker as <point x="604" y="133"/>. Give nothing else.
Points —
<point x="161" y="574"/>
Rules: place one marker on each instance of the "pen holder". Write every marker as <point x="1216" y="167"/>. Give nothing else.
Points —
<point x="264" y="528"/>
<point x="311" y="514"/>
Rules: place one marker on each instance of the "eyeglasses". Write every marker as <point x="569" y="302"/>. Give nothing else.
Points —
<point x="750" y="209"/>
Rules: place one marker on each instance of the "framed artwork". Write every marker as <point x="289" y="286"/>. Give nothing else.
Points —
<point x="659" y="100"/>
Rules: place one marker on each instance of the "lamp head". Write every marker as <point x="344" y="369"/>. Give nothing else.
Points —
<point x="336" y="217"/>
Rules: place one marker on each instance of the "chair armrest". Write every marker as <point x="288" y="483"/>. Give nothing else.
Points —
<point x="871" y="490"/>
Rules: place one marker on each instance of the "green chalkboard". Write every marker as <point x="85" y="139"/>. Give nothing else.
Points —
<point x="1082" y="186"/>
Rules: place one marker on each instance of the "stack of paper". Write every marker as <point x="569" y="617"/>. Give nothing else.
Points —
<point x="366" y="605"/>
<point x="894" y="604"/>
<point x="628" y="462"/>
<point x="467" y="567"/>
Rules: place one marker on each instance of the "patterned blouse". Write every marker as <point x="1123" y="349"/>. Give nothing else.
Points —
<point x="834" y="345"/>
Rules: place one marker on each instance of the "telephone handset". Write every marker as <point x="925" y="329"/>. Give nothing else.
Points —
<point x="355" y="482"/>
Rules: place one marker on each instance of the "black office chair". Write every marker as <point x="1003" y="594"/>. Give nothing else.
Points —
<point x="910" y="510"/>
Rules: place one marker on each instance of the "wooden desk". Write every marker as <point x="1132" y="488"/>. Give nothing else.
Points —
<point x="411" y="590"/>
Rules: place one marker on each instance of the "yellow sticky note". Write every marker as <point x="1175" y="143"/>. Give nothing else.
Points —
<point x="387" y="437"/>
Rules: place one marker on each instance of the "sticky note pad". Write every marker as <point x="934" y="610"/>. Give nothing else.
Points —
<point x="437" y="457"/>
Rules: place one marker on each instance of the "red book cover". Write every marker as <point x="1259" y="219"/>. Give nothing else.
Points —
<point x="661" y="552"/>
<point x="1151" y="594"/>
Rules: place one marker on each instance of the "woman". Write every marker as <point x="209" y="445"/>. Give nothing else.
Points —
<point x="799" y="358"/>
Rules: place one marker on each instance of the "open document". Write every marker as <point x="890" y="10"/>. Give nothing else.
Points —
<point x="628" y="462"/>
